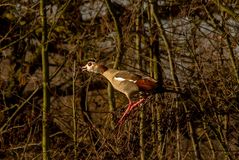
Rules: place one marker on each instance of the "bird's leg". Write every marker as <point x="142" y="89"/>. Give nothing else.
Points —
<point x="129" y="108"/>
<point x="136" y="103"/>
<point x="126" y="112"/>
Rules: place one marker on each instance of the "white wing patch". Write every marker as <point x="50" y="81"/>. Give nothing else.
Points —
<point x="122" y="79"/>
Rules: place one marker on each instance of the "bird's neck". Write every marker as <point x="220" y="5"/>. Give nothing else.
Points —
<point x="101" y="69"/>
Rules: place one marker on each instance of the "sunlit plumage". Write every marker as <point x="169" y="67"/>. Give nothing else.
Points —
<point x="125" y="82"/>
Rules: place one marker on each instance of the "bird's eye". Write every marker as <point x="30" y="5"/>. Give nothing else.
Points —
<point x="89" y="64"/>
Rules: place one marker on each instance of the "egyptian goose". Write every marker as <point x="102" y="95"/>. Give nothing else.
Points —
<point x="125" y="82"/>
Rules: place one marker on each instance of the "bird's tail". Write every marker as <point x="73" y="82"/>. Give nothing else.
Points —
<point x="162" y="89"/>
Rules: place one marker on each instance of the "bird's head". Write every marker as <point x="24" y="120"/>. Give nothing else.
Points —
<point x="91" y="66"/>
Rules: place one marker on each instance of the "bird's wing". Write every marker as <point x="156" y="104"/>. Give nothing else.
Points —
<point x="144" y="83"/>
<point x="127" y="76"/>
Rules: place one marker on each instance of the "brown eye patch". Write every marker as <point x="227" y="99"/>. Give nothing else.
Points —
<point x="89" y="63"/>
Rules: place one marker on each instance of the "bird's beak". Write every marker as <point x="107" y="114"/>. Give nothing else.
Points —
<point x="84" y="68"/>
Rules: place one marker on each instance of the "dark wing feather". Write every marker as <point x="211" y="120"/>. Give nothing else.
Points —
<point x="146" y="84"/>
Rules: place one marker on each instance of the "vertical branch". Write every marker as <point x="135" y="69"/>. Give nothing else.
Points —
<point x="192" y="134"/>
<point x="119" y="54"/>
<point x="119" y="34"/>
<point x="232" y="58"/>
<point x="173" y="73"/>
<point x="190" y="126"/>
<point x="74" y="111"/>
<point x="111" y="100"/>
<point x="45" y="75"/>
<point x="169" y="51"/>
<point x="138" y="25"/>
<point x="153" y="123"/>
<point x="177" y="88"/>
<point x="156" y="74"/>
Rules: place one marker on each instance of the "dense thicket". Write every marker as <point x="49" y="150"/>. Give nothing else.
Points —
<point x="189" y="46"/>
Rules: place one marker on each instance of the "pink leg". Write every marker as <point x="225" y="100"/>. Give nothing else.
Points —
<point x="136" y="104"/>
<point x="125" y="112"/>
<point x="129" y="108"/>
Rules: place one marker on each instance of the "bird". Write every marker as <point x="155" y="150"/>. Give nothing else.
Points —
<point x="126" y="82"/>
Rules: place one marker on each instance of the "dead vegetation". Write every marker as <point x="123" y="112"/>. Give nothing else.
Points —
<point x="189" y="46"/>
